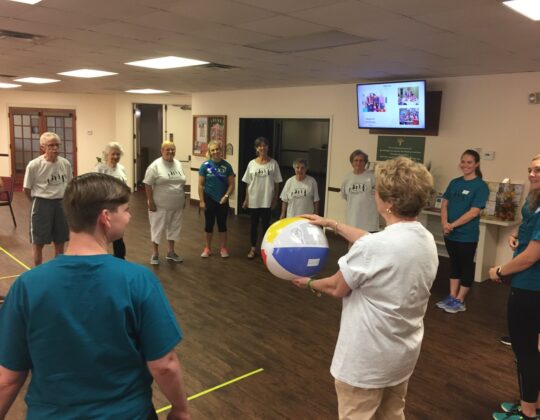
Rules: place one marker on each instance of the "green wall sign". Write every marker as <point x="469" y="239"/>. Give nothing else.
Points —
<point x="389" y="147"/>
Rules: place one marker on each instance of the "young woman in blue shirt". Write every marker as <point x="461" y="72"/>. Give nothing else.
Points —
<point x="463" y="200"/>
<point x="524" y="302"/>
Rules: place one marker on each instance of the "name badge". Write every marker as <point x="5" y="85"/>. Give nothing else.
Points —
<point x="465" y="192"/>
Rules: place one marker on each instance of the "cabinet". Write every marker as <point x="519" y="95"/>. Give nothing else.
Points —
<point x="487" y="241"/>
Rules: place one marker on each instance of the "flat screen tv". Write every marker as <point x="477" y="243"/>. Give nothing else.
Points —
<point x="392" y="105"/>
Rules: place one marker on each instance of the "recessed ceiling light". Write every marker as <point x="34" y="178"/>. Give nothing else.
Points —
<point x="36" y="80"/>
<point x="87" y="73"/>
<point x="529" y="8"/>
<point x="170" y="62"/>
<point x="27" y="1"/>
<point x="146" y="91"/>
<point x="8" y="85"/>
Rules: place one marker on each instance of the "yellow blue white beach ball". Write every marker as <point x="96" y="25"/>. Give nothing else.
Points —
<point x="293" y="247"/>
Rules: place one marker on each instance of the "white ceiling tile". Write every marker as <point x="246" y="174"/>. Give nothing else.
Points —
<point x="284" y="26"/>
<point x="221" y="11"/>
<point x="228" y="34"/>
<point x="284" y="6"/>
<point x="420" y="7"/>
<point x="434" y="38"/>
<point x="346" y="13"/>
<point x="66" y="19"/>
<point x="169" y="21"/>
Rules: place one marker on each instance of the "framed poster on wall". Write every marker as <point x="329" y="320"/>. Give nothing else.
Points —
<point x="207" y="128"/>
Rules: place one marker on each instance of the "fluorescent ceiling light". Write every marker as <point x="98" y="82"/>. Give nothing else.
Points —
<point x="8" y="85"/>
<point x="87" y="73"/>
<point x="27" y="1"/>
<point x="36" y="80"/>
<point x="170" y="62"/>
<point x="146" y="91"/>
<point x="529" y="8"/>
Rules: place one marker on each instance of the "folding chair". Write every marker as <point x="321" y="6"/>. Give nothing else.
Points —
<point x="6" y="195"/>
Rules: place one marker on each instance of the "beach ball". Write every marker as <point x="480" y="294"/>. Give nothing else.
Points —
<point x="293" y="247"/>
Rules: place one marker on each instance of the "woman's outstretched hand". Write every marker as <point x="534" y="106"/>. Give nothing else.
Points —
<point x="315" y="219"/>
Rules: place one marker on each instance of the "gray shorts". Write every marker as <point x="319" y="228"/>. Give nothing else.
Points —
<point x="48" y="222"/>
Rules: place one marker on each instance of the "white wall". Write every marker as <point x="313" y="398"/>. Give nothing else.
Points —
<point x="100" y="119"/>
<point x="488" y="112"/>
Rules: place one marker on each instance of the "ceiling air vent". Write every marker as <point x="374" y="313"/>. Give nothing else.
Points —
<point x="5" y="34"/>
<point x="218" y="66"/>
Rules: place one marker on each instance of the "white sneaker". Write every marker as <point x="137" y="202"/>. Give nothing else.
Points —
<point x="206" y="253"/>
<point x="154" y="260"/>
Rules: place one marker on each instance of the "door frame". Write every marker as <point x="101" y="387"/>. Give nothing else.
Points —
<point x="43" y="113"/>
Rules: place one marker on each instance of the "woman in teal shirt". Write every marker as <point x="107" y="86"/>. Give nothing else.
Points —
<point x="524" y="302"/>
<point x="463" y="200"/>
<point x="216" y="184"/>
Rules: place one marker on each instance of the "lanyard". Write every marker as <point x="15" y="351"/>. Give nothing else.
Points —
<point x="214" y="172"/>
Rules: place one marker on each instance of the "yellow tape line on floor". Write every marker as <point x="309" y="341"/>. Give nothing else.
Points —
<point x="9" y="277"/>
<point x="200" y="394"/>
<point x="161" y="410"/>
<point x="14" y="258"/>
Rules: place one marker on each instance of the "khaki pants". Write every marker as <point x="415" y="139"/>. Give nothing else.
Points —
<point x="367" y="404"/>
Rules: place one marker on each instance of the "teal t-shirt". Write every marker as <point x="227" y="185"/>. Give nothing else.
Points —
<point x="529" y="230"/>
<point x="462" y="195"/>
<point x="86" y="326"/>
<point x="215" y="186"/>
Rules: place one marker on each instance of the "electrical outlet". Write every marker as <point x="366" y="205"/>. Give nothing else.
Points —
<point x="488" y="155"/>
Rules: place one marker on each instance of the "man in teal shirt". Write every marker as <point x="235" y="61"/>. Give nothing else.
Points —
<point x="94" y="330"/>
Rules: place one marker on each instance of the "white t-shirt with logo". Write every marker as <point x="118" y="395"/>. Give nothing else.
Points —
<point x="261" y="180"/>
<point x="359" y="191"/>
<point x="300" y="195"/>
<point x="167" y="181"/>
<point x="47" y="179"/>
<point x="390" y="274"/>
<point x="118" y="171"/>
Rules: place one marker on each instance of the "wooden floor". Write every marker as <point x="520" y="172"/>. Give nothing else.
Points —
<point x="237" y="318"/>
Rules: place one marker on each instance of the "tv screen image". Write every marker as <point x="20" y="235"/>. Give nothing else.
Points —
<point x="392" y="104"/>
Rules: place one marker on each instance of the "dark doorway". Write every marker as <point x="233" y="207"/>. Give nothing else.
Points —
<point x="289" y="138"/>
<point x="148" y="126"/>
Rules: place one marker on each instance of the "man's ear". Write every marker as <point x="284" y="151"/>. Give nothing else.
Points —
<point x="104" y="218"/>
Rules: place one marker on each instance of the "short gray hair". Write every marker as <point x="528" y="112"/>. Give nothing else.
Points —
<point x="113" y="145"/>
<point x="300" y="161"/>
<point x="48" y="135"/>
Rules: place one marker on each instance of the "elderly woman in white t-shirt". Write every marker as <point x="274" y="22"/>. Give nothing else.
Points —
<point x="358" y="189"/>
<point x="110" y="165"/>
<point x="164" y="184"/>
<point x="384" y="281"/>
<point x="263" y="177"/>
<point x="300" y="194"/>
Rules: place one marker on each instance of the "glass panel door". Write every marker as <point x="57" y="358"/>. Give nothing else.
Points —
<point x="26" y="126"/>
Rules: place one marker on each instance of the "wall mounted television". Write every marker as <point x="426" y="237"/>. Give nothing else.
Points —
<point x="392" y="105"/>
<point x="433" y="115"/>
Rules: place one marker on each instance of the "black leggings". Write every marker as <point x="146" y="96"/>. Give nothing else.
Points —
<point x="524" y="327"/>
<point x="461" y="260"/>
<point x="264" y="214"/>
<point x="214" y="211"/>
<point x="152" y="415"/>
<point x="119" y="248"/>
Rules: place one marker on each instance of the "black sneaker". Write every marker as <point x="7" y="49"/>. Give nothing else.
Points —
<point x="506" y="340"/>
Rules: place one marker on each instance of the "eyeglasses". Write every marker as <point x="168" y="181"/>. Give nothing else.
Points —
<point x="52" y="146"/>
<point x="534" y="171"/>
